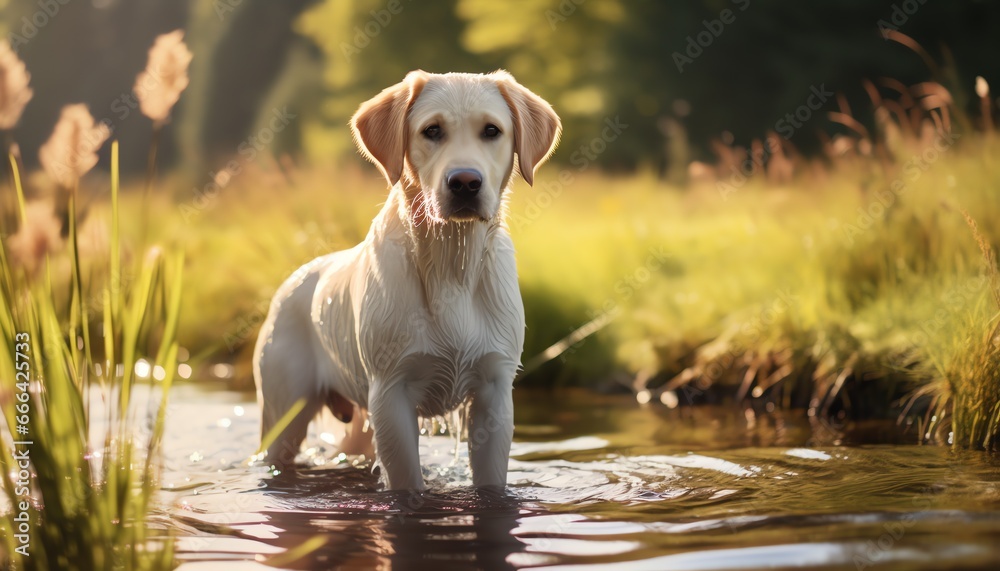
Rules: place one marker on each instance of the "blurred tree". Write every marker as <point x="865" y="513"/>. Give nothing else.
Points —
<point x="371" y="44"/>
<point x="248" y="48"/>
<point x="696" y="69"/>
<point x="742" y="66"/>
<point x="558" y="49"/>
<point x="204" y="29"/>
<point x="249" y="59"/>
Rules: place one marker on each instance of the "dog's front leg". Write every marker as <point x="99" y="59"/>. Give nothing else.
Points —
<point x="394" y="419"/>
<point x="491" y="428"/>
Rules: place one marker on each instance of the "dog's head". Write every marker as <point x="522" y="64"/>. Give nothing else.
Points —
<point x="453" y="138"/>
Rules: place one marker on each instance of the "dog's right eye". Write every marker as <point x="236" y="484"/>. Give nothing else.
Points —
<point x="433" y="132"/>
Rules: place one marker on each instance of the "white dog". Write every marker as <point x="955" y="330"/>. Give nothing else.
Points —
<point x="426" y="312"/>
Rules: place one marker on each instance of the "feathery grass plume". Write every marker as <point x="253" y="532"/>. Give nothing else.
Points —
<point x="38" y="236"/>
<point x="989" y="257"/>
<point x="14" y="90"/>
<point x="71" y="151"/>
<point x="159" y="86"/>
<point x="14" y="95"/>
<point x="983" y="91"/>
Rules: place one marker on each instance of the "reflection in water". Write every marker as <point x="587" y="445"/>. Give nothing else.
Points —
<point x="359" y="526"/>
<point x="598" y="482"/>
<point x="363" y="527"/>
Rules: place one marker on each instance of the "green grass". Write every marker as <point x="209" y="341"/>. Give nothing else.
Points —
<point x="784" y="294"/>
<point x="93" y="479"/>
<point x="969" y="371"/>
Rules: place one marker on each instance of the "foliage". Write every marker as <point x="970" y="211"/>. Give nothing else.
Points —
<point x="93" y="479"/>
<point x="593" y="60"/>
<point x="601" y="60"/>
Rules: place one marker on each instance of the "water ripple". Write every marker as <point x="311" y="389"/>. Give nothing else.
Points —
<point x="612" y="490"/>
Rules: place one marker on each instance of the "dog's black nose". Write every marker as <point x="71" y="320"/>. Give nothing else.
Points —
<point x="464" y="182"/>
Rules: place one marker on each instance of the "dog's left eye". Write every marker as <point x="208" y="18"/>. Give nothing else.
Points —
<point x="433" y="132"/>
<point x="491" y="132"/>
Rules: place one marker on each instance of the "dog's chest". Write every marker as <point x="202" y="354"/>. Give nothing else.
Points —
<point x="457" y="339"/>
<point x="442" y="323"/>
<point x="455" y="322"/>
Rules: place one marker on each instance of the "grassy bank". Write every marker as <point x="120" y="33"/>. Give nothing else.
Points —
<point x="841" y="291"/>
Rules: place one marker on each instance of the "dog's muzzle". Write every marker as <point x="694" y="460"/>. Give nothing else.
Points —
<point x="464" y="185"/>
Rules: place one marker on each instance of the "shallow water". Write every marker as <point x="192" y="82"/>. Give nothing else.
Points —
<point x="597" y="482"/>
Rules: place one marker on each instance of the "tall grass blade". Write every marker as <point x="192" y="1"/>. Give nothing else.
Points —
<point x="16" y="176"/>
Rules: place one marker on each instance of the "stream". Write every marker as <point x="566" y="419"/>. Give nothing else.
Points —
<point x="595" y="482"/>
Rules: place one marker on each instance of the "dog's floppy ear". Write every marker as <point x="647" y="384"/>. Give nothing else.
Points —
<point x="379" y="125"/>
<point x="536" y="125"/>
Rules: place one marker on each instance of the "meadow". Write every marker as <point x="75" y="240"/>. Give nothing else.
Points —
<point x="853" y="290"/>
